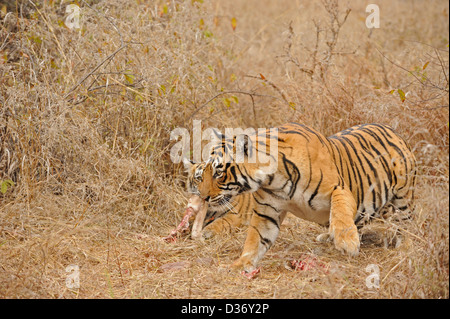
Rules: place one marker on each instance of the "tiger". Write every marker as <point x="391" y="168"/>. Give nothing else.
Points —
<point x="341" y="182"/>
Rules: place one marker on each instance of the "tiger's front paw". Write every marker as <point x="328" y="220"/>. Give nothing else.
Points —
<point x="346" y="238"/>
<point x="243" y="264"/>
<point x="246" y="268"/>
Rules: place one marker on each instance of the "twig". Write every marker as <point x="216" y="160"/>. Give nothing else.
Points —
<point x="95" y="69"/>
<point x="442" y="65"/>
<point x="6" y="38"/>
<point x="108" y="58"/>
<point x="109" y="20"/>
<point x="132" y="90"/>
<point x="272" y="85"/>
<point x="54" y="35"/>
<point x="316" y="45"/>
<point x="423" y="43"/>
<point x="392" y="269"/>
<point x="294" y="60"/>
<point x="332" y="7"/>
<point x="433" y="85"/>
<point x="228" y="92"/>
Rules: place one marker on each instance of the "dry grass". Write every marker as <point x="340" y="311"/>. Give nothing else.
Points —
<point x="85" y="123"/>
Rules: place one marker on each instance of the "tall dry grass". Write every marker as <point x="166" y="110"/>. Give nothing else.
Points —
<point x="85" y="124"/>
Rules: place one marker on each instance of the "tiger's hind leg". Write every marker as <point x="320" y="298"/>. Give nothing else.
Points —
<point x="395" y="213"/>
<point x="385" y="230"/>
<point x="380" y="231"/>
<point x="402" y="202"/>
<point x="342" y="226"/>
<point x="402" y="208"/>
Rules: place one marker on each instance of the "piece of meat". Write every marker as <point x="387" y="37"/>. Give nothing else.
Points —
<point x="308" y="262"/>
<point x="251" y="274"/>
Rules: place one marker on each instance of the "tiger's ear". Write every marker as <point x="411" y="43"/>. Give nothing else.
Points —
<point x="187" y="164"/>
<point x="217" y="136"/>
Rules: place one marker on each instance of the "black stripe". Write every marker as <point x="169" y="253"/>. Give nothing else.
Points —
<point x="271" y="176"/>
<point x="310" y="169"/>
<point x="265" y="241"/>
<point x="333" y="142"/>
<point x="386" y="194"/>
<point x="264" y="204"/>
<point x="315" y="191"/>
<point x="377" y="179"/>
<point x="388" y="138"/>
<point x="233" y="173"/>
<point x="384" y="162"/>
<point x="248" y="175"/>
<point x="361" y="167"/>
<point x="271" y="219"/>
<point x="270" y="192"/>
<point x="384" y="131"/>
<point x="376" y="137"/>
<point x="356" y="174"/>
<point x="318" y="135"/>
<point x="369" y="181"/>
<point x="297" y="132"/>
<point x="361" y="139"/>
<point x="294" y="176"/>
<point x="226" y="186"/>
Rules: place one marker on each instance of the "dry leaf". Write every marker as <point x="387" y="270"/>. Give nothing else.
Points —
<point x="233" y="23"/>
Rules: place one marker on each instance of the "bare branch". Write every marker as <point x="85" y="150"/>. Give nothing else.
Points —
<point x="251" y="94"/>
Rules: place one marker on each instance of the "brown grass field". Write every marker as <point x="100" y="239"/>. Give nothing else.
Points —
<point x="85" y="121"/>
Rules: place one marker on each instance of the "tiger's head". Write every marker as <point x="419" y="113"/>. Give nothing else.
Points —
<point x="232" y="169"/>
<point x="194" y="183"/>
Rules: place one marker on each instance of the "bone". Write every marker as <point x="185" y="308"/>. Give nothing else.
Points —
<point x="202" y="207"/>
<point x="195" y="206"/>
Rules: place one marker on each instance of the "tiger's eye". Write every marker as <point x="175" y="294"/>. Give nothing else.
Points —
<point x="218" y="174"/>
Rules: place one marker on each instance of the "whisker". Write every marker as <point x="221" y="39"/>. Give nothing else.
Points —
<point x="230" y="206"/>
